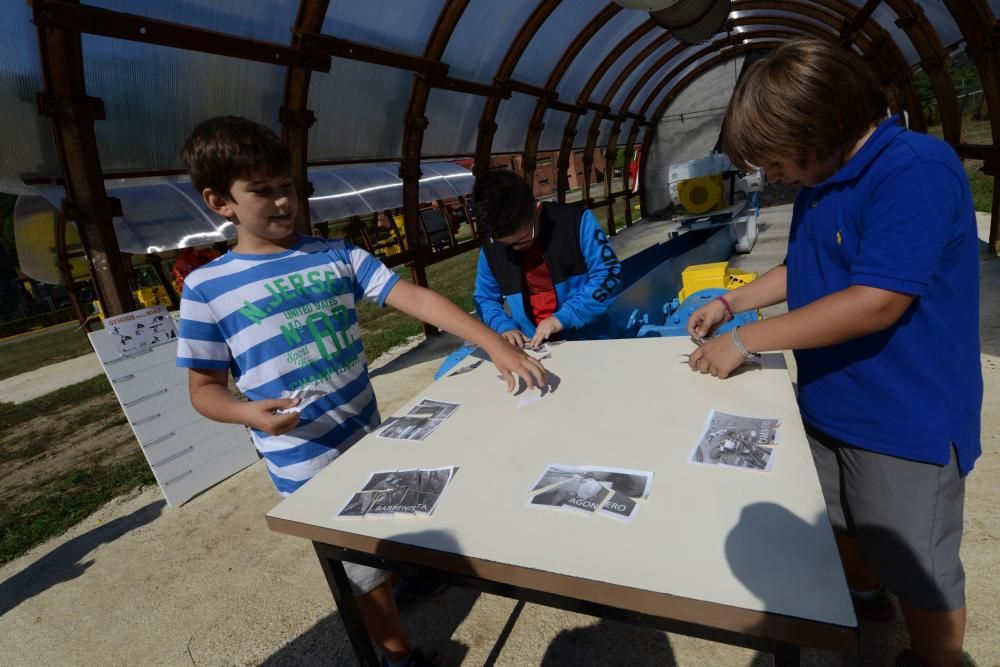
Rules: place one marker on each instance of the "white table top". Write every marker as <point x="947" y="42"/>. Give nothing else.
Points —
<point x="753" y="540"/>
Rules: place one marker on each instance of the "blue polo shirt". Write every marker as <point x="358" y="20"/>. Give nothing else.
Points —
<point x="898" y="216"/>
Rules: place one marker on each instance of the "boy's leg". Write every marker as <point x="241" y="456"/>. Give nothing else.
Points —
<point x="935" y="637"/>
<point x="378" y="609"/>
<point x="908" y="517"/>
<point x="825" y="452"/>
<point x="373" y="593"/>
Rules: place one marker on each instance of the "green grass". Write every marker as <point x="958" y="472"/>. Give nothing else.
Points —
<point x="383" y="328"/>
<point x="41" y="350"/>
<point x="65" y="501"/>
<point x="14" y="414"/>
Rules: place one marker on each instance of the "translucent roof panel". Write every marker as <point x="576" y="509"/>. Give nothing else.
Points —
<point x="454" y="123"/>
<point x="401" y="25"/>
<point x="168" y="216"/>
<point x="620" y="64"/>
<point x="25" y="137"/>
<point x="141" y="86"/>
<point x="554" y="38"/>
<point x="942" y="20"/>
<point x="636" y="75"/>
<point x="365" y="124"/>
<point x="512" y="121"/>
<point x="582" y="127"/>
<point x="257" y="19"/>
<point x="482" y="37"/>
<point x="594" y="51"/>
<point x="886" y="18"/>
<point x="602" y="138"/>
<point x="555" y="122"/>
<point x="341" y="192"/>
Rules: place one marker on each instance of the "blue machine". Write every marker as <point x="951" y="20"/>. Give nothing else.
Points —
<point x="651" y="280"/>
<point x="675" y="316"/>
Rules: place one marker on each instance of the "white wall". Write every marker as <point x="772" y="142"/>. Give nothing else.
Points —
<point x="679" y="140"/>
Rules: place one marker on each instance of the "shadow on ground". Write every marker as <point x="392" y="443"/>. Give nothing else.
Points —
<point x="65" y="562"/>
<point x="436" y="346"/>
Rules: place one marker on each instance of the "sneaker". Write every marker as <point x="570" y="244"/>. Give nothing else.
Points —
<point x="415" y="659"/>
<point x="877" y="609"/>
<point x="413" y="589"/>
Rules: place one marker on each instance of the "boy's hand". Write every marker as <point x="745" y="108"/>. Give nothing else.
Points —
<point x="717" y="356"/>
<point x="515" y="337"/>
<point x="261" y="415"/>
<point x="511" y="361"/>
<point x="546" y="328"/>
<point x="706" y="319"/>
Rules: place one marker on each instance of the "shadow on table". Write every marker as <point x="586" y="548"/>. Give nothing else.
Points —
<point x="65" y="562"/>
<point x="755" y="550"/>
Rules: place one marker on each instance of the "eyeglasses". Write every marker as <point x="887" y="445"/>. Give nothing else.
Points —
<point x="528" y="238"/>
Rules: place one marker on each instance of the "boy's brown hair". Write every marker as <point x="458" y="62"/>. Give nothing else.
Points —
<point x="805" y="98"/>
<point x="225" y="148"/>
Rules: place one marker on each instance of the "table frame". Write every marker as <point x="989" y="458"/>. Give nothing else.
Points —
<point x="778" y="634"/>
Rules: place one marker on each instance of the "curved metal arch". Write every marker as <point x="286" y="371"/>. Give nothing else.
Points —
<point x="535" y="125"/>
<point x="487" y="121"/>
<point x="414" y="124"/>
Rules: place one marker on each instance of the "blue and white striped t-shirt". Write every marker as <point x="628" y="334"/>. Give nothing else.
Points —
<point x="282" y="321"/>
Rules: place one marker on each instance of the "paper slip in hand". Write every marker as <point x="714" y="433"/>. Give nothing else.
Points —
<point x="307" y="395"/>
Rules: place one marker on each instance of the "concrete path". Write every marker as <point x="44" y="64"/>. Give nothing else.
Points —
<point x="26" y="386"/>
<point x="138" y="583"/>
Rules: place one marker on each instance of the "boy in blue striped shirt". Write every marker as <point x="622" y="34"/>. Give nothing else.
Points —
<point x="278" y="312"/>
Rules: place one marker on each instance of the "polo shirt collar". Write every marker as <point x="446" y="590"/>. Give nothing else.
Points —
<point x="883" y="134"/>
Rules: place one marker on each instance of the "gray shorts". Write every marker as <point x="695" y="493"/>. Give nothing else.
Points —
<point x="907" y="516"/>
<point x="364" y="579"/>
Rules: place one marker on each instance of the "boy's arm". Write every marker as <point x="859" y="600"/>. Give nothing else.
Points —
<point x="850" y="313"/>
<point x="489" y="299"/>
<point x="769" y="289"/>
<point x="209" y="390"/>
<point x="431" y="307"/>
<point x="603" y="281"/>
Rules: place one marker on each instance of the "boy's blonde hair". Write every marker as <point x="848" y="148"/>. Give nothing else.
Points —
<point x="807" y="98"/>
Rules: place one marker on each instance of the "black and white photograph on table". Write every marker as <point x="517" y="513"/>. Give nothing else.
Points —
<point x="392" y="492"/>
<point x="468" y="368"/>
<point x="758" y="430"/>
<point x="610" y="491"/>
<point x="631" y="483"/>
<point x="430" y="409"/>
<point x="555" y="474"/>
<point x="735" y="448"/>
<point x="619" y="506"/>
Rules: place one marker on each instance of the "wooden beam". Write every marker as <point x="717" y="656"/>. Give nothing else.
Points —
<point x="295" y="116"/>
<point x="72" y="120"/>
<point x="77" y="18"/>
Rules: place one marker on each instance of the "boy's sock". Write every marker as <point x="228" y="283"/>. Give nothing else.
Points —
<point x="873" y="605"/>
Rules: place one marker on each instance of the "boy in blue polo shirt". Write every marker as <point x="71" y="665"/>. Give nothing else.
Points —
<point x="882" y="286"/>
<point x="278" y="312"/>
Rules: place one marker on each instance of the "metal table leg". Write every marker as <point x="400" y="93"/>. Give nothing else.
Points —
<point x="347" y="607"/>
